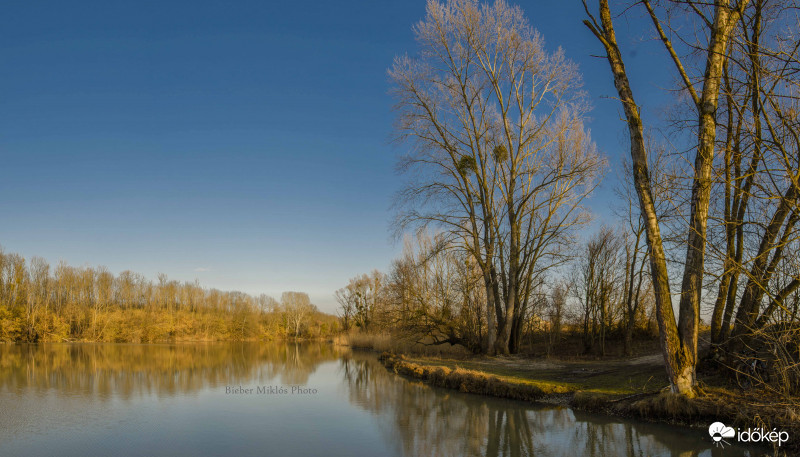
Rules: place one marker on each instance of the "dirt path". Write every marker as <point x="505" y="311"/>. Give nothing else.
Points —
<point x="652" y="359"/>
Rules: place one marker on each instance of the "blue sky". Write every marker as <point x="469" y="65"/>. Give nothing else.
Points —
<point x="244" y="144"/>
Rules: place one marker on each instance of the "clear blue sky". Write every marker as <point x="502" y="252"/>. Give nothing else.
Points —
<point x="245" y="144"/>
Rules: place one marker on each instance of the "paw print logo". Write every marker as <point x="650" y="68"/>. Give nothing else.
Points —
<point x="719" y="432"/>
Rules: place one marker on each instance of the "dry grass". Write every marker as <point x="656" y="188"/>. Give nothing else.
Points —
<point x="376" y="342"/>
<point x="589" y="400"/>
<point x="612" y="379"/>
<point x="467" y="381"/>
<point x="666" y="405"/>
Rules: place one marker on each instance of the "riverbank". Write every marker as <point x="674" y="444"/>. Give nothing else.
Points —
<point x="634" y="388"/>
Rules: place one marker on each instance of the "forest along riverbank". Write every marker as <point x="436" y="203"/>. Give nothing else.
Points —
<point x="634" y="388"/>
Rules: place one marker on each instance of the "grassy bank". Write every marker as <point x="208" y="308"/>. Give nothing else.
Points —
<point x="629" y="388"/>
<point x="470" y="381"/>
<point x="613" y="380"/>
<point x="508" y="378"/>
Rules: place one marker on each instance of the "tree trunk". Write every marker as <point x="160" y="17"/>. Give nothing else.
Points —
<point x="491" y="330"/>
<point x="678" y="342"/>
<point x="515" y="343"/>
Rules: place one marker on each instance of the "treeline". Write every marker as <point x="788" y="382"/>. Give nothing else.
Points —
<point x="433" y="295"/>
<point x="40" y="303"/>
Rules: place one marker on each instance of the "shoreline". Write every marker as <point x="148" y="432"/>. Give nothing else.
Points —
<point x="656" y="406"/>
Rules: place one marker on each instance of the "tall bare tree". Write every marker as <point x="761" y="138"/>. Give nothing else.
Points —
<point x="500" y="156"/>
<point x="298" y="308"/>
<point x="678" y="339"/>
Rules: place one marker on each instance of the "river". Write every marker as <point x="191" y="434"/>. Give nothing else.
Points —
<point x="284" y="399"/>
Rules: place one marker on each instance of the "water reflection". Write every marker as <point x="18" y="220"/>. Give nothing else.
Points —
<point x="420" y="420"/>
<point x="125" y="399"/>
<point x="103" y="371"/>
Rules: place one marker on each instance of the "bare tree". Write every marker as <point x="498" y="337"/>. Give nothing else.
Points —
<point x="359" y="300"/>
<point x="664" y="182"/>
<point x="500" y="157"/>
<point x="601" y="274"/>
<point x="37" y="296"/>
<point x="678" y="340"/>
<point x="298" y="308"/>
<point x="439" y="288"/>
<point x="347" y="306"/>
<point x="555" y="313"/>
<point x="103" y="294"/>
<point x="758" y="177"/>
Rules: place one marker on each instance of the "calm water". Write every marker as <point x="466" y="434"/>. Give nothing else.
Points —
<point x="293" y="400"/>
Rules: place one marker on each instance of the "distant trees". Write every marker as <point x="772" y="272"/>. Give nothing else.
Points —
<point x="434" y="294"/>
<point x="437" y="292"/>
<point x="555" y="314"/>
<point x="500" y="156"/>
<point x="601" y="272"/>
<point x="610" y="287"/>
<point x="68" y="303"/>
<point x="359" y="300"/>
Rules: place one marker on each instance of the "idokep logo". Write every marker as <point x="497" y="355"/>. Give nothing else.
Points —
<point x="720" y="431"/>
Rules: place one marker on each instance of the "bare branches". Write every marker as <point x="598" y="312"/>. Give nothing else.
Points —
<point x="675" y="59"/>
<point x="501" y="156"/>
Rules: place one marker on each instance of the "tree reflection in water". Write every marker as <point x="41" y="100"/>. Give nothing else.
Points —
<point x="128" y="371"/>
<point x="59" y="390"/>
<point x="421" y="420"/>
